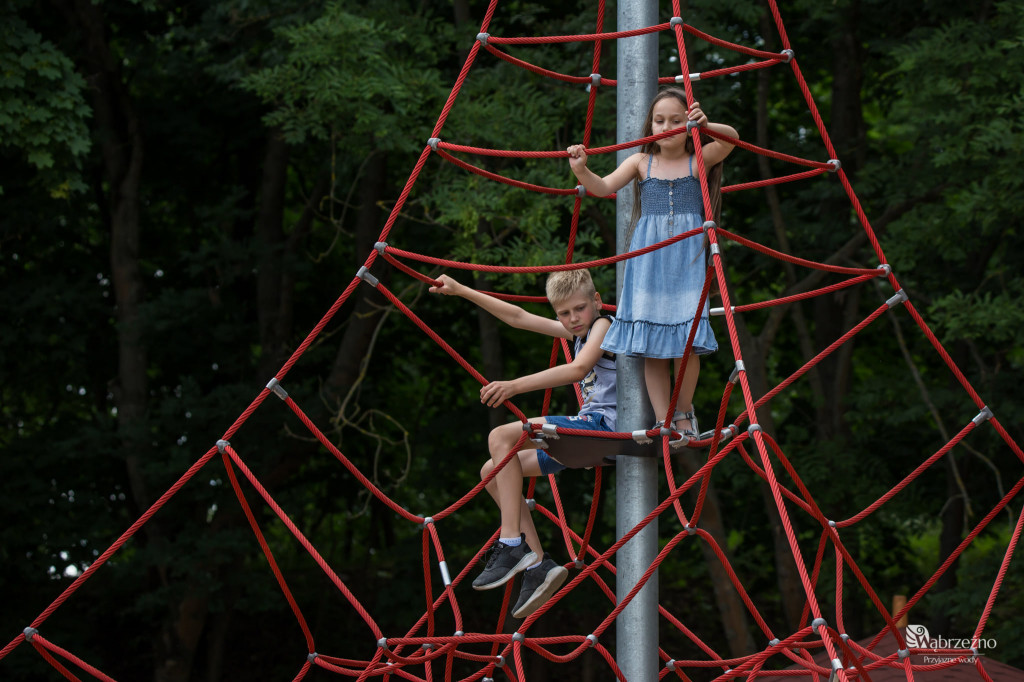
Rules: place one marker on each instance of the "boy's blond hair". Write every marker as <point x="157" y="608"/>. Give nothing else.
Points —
<point x="563" y="284"/>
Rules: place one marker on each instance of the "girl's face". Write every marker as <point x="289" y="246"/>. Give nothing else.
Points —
<point x="668" y="114"/>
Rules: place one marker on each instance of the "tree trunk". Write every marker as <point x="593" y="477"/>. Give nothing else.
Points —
<point x="848" y="135"/>
<point x="121" y="144"/>
<point x="273" y="300"/>
<point x="367" y="311"/>
<point x="490" y="335"/>
<point x="731" y="609"/>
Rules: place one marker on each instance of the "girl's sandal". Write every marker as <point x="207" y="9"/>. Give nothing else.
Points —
<point x="690" y="432"/>
<point x="674" y="444"/>
<point x="693" y="430"/>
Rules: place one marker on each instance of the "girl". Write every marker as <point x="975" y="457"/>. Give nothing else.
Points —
<point x="660" y="290"/>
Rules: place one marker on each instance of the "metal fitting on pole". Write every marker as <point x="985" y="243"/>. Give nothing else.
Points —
<point x="899" y="297"/>
<point x="640" y="436"/>
<point x="365" y="275"/>
<point x="277" y="389"/>
<point x="983" y="416"/>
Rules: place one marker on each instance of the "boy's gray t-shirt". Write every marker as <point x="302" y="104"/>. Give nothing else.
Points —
<point x="598" y="386"/>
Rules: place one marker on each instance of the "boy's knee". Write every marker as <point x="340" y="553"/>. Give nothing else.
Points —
<point x="500" y="440"/>
<point x="486" y="469"/>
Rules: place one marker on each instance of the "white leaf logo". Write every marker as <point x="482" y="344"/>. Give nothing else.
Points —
<point x="917" y="637"/>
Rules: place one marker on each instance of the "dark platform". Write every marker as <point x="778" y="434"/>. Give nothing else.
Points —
<point x="581" y="452"/>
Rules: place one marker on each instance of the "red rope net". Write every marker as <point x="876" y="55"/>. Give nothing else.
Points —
<point x="424" y="653"/>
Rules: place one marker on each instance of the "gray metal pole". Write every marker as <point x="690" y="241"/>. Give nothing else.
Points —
<point x="636" y="478"/>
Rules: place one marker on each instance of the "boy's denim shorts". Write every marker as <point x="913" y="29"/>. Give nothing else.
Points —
<point x="589" y="421"/>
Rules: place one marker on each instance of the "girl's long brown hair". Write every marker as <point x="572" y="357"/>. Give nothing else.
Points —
<point x="714" y="173"/>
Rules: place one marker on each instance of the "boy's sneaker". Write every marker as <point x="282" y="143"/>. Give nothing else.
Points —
<point x="539" y="585"/>
<point x="503" y="562"/>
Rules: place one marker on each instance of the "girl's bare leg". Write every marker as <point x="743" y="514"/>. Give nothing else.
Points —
<point x="688" y="388"/>
<point x="658" y="388"/>
<point x="660" y="385"/>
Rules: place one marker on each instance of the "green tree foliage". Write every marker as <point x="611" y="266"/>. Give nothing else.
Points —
<point x="43" y="113"/>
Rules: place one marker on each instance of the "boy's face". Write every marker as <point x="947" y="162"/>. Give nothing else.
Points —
<point x="578" y="312"/>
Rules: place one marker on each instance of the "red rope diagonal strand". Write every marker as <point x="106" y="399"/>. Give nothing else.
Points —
<point x="772" y="181"/>
<point x="582" y="38"/>
<point x="715" y="440"/>
<point x="770" y="153"/>
<point x="543" y="268"/>
<point x="502" y="179"/>
<point x="787" y="525"/>
<point x="441" y="119"/>
<point x="805" y="295"/>
<point x="810" y="363"/>
<point x="363" y="480"/>
<point x="102" y="559"/>
<point x="954" y="555"/>
<point x="661" y="609"/>
<point x="874" y="272"/>
<point x="937" y="455"/>
<point x="501" y="54"/>
<point x="54" y="663"/>
<point x="724" y="71"/>
<point x="656" y="512"/>
<point x="944" y="355"/>
<point x="39" y="641"/>
<point x="444" y="344"/>
<point x="281" y="582"/>
<point x="510" y="153"/>
<point x="759" y="470"/>
<point x="834" y="536"/>
<point x="750" y="52"/>
<point x="306" y="544"/>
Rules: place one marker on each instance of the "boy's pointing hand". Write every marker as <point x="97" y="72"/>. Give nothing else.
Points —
<point x="496" y="392"/>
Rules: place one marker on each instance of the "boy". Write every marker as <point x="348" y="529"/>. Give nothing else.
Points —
<point x="577" y="308"/>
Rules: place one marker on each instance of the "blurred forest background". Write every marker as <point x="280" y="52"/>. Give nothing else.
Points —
<point x="188" y="186"/>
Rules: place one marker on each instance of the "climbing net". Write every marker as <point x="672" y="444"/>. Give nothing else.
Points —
<point x="422" y="652"/>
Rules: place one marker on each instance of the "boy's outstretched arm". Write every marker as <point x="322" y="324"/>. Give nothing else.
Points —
<point x="508" y="313"/>
<point x="497" y="392"/>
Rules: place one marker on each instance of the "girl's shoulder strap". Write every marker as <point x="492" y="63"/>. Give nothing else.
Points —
<point x="691" y="164"/>
<point x="650" y="157"/>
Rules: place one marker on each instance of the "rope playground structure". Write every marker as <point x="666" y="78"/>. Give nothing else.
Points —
<point x="423" y="652"/>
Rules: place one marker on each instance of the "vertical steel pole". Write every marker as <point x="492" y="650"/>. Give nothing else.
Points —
<point x="636" y="478"/>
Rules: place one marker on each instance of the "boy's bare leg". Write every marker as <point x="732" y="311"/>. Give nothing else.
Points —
<point x="528" y="462"/>
<point x="508" y="484"/>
